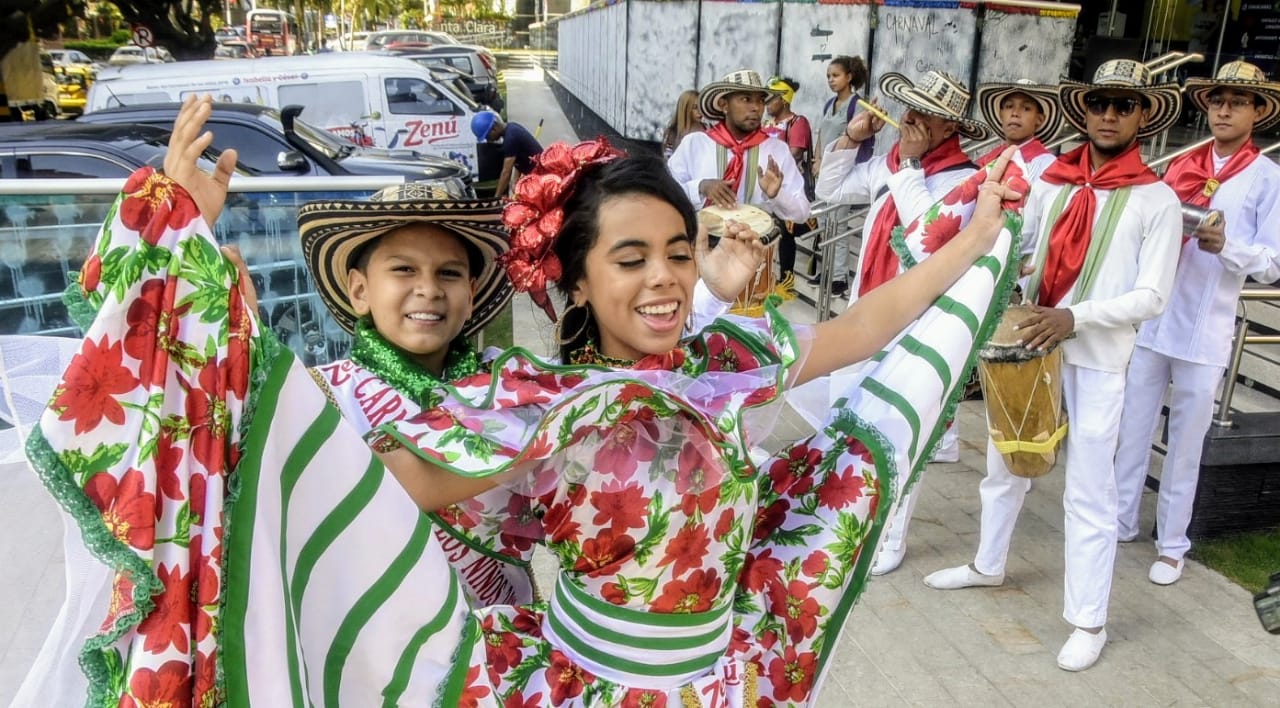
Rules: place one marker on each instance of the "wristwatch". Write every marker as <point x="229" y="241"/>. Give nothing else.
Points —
<point x="910" y="163"/>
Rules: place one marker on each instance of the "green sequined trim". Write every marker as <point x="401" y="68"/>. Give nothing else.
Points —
<point x="372" y="351"/>
<point x="66" y="490"/>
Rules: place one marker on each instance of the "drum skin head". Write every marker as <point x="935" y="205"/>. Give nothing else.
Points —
<point x="715" y="218"/>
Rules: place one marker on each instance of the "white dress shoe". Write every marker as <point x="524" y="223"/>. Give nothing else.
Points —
<point x="961" y="576"/>
<point x="1162" y="573"/>
<point x="887" y="560"/>
<point x="1082" y="650"/>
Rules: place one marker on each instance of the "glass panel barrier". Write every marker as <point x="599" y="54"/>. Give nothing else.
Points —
<point x="47" y="230"/>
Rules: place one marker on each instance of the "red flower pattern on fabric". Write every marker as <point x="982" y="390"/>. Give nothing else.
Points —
<point x="91" y="274"/>
<point x="841" y="490"/>
<point x="771" y="518"/>
<point x="760" y="571"/>
<point x="605" y="554"/>
<point x="154" y="204"/>
<point x="627" y="444"/>
<point x="794" y="475"/>
<point x="128" y="509"/>
<point x="167" y="624"/>
<point x="620" y="508"/>
<point x="474" y="691"/>
<point x="798" y="611"/>
<point x="90" y="384"/>
<point x="694" y="593"/>
<point x="207" y="414"/>
<point x="566" y="679"/>
<point x="687" y="550"/>
<point x="644" y="698"/>
<point x="938" y="232"/>
<point x="792" y="674"/>
<point x="166" y="687"/>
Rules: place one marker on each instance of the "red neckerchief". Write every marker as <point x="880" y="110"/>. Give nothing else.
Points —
<point x="1072" y="232"/>
<point x="1192" y="177"/>
<point x="737" y="162"/>
<point x="1029" y="151"/>
<point x="879" y="263"/>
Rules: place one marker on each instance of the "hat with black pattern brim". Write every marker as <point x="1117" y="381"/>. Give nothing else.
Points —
<point x="334" y="231"/>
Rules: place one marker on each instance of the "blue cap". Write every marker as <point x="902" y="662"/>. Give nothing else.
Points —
<point x="482" y="123"/>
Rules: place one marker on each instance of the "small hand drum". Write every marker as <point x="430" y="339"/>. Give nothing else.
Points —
<point x="1023" y="392"/>
<point x="751" y="300"/>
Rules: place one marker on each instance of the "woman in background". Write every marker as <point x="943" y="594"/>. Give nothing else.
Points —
<point x="687" y="119"/>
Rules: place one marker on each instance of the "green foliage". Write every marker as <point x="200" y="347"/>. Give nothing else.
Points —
<point x="121" y="36"/>
<point x="99" y="49"/>
<point x="1248" y="559"/>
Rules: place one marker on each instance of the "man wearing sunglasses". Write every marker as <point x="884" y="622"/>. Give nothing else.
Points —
<point x="1189" y="344"/>
<point x="1103" y="234"/>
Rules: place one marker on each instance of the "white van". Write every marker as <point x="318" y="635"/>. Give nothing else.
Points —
<point x="377" y="101"/>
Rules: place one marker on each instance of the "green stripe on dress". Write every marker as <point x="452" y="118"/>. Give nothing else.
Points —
<point x="992" y="264"/>
<point x="295" y="465"/>
<point x="903" y="407"/>
<point x="657" y="643"/>
<point x="367" y="606"/>
<point x="930" y="355"/>
<point x="329" y="529"/>
<point x="657" y="668"/>
<point x="651" y="619"/>
<point x="952" y="306"/>
<point x="239" y="535"/>
<point x="404" y="665"/>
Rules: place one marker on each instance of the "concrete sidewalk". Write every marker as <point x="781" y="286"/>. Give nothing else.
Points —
<point x="1196" y="643"/>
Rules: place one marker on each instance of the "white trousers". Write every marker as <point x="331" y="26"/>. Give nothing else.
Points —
<point x="1190" y="414"/>
<point x="1093" y="399"/>
<point x="895" y="534"/>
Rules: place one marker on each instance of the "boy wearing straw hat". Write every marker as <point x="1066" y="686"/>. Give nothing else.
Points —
<point x="1027" y="115"/>
<point x="1103" y="232"/>
<point x="736" y="161"/>
<point x="1188" y="345"/>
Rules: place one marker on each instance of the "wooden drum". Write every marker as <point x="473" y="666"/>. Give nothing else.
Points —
<point x="751" y="300"/>
<point x="1023" y="392"/>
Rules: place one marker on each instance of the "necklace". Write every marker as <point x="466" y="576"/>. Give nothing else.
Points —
<point x="669" y="361"/>
<point x="372" y="351"/>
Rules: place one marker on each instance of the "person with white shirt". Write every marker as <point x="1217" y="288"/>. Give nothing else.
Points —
<point x="1027" y="114"/>
<point x="918" y="170"/>
<point x="1103" y="232"/>
<point x="735" y="161"/>
<point x="1188" y="346"/>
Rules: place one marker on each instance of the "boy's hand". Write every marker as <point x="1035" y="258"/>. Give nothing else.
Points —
<point x="186" y="144"/>
<point x="733" y="263"/>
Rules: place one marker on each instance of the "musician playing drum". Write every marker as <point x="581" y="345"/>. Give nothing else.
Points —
<point x="1189" y="344"/>
<point x="1103" y="232"/>
<point x="735" y="162"/>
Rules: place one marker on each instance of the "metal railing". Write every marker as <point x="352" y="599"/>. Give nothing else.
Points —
<point x="1243" y="339"/>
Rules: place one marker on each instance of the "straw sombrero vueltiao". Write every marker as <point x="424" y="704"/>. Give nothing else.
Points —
<point x="333" y="232"/>
<point x="1242" y="76"/>
<point x="989" y="96"/>
<point x="936" y="95"/>
<point x="741" y="81"/>
<point x="1130" y="75"/>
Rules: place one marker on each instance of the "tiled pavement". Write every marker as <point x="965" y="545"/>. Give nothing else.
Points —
<point x="1196" y="643"/>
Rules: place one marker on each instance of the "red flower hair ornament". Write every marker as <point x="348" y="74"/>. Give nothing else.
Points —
<point x="536" y="214"/>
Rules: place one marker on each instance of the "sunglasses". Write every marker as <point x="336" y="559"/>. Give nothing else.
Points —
<point x="1124" y="105"/>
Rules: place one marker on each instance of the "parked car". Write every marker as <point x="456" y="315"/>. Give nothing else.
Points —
<point x="380" y="40"/>
<point x="271" y="142"/>
<point x="477" y="65"/>
<point x="73" y="87"/>
<point x="229" y="33"/>
<point x="132" y="54"/>
<point x="353" y="41"/>
<point x="72" y="57"/>
<point x="238" y="49"/>
<point x="71" y="150"/>
<point x="376" y="101"/>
